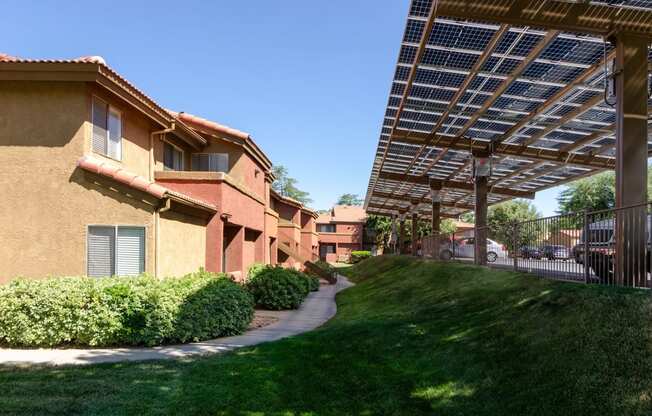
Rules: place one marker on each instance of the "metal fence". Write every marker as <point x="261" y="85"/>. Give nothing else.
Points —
<point x="610" y="247"/>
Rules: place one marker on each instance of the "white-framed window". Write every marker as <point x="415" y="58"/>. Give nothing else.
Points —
<point x="210" y="162"/>
<point x="115" y="250"/>
<point x="107" y="129"/>
<point x="172" y="157"/>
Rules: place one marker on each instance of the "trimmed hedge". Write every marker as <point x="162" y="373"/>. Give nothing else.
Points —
<point x="277" y="288"/>
<point x="358" y="256"/>
<point x="122" y="310"/>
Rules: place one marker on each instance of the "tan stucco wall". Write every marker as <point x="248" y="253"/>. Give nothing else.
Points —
<point x="182" y="244"/>
<point x="136" y="130"/>
<point x="48" y="202"/>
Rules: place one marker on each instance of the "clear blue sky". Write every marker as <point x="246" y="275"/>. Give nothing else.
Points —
<point x="308" y="80"/>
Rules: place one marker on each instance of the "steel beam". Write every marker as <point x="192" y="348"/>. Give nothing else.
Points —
<point x="415" y="227"/>
<point x="508" y="149"/>
<point x="424" y="199"/>
<point x="631" y="158"/>
<point x="631" y="120"/>
<point x="480" y="233"/>
<point x="425" y="35"/>
<point x="453" y="184"/>
<point x="401" y="235"/>
<point x="585" y="17"/>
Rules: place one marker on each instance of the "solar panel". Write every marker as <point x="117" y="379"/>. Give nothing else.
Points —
<point x="539" y="89"/>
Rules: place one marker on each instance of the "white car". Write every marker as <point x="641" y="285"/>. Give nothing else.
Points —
<point x="465" y="248"/>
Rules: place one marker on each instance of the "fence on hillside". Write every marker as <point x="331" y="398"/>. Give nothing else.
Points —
<point x="610" y="247"/>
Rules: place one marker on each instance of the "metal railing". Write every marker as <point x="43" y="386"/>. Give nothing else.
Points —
<point x="610" y="247"/>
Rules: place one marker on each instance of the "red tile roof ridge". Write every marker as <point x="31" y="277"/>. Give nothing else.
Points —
<point x="209" y="125"/>
<point x="90" y="59"/>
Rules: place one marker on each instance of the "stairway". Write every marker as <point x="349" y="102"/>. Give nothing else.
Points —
<point x="308" y="264"/>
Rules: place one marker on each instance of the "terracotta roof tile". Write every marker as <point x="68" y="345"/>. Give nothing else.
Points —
<point x="100" y="167"/>
<point x="210" y="126"/>
<point x="93" y="59"/>
<point x="349" y="213"/>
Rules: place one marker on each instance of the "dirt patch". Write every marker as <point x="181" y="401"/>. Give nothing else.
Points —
<point x="261" y="321"/>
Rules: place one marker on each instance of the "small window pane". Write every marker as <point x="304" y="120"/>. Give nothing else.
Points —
<point x="101" y="251"/>
<point x="130" y="260"/>
<point x="172" y="157"/>
<point x="221" y="162"/>
<point x="115" y="135"/>
<point x="212" y="162"/>
<point x="100" y="131"/>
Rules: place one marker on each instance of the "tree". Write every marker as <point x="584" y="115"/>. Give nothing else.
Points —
<point x="381" y="227"/>
<point x="594" y="193"/>
<point x="286" y="185"/>
<point x="468" y="217"/>
<point x="447" y="226"/>
<point x="349" y="199"/>
<point x="501" y="219"/>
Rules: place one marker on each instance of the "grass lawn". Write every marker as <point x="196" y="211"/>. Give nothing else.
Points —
<point x="411" y="338"/>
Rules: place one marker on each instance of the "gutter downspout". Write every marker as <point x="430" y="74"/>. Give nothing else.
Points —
<point x="157" y="233"/>
<point x="159" y="209"/>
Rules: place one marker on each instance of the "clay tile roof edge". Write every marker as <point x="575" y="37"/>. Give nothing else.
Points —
<point x="100" y="167"/>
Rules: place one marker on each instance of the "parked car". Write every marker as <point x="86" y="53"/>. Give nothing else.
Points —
<point x="531" y="252"/>
<point x="465" y="248"/>
<point x="552" y="252"/>
<point x="602" y="246"/>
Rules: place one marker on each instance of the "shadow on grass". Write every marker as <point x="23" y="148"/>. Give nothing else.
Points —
<point x="420" y="340"/>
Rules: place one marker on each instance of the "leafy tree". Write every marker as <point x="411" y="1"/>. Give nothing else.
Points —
<point x="468" y="217"/>
<point x="447" y="226"/>
<point x="286" y="185"/>
<point x="593" y="193"/>
<point x="349" y="199"/>
<point x="502" y="217"/>
<point x="381" y="227"/>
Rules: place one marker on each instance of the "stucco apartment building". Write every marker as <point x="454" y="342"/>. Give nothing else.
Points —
<point x="341" y="230"/>
<point x="99" y="179"/>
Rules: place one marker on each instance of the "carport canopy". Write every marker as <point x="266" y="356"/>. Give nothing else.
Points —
<point x="534" y="86"/>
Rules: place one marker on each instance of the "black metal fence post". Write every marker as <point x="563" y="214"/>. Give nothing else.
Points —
<point x="585" y="254"/>
<point x="515" y="239"/>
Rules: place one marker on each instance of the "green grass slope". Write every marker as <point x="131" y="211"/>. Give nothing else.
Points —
<point x="411" y="338"/>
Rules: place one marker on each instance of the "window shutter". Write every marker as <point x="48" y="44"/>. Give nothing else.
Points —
<point x="130" y="257"/>
<point x="101" y="249"/>
<point x="115" y="135"/>
<point x="100" y="130"/>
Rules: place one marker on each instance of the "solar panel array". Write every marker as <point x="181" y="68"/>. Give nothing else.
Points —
<point x="519" y="85"/>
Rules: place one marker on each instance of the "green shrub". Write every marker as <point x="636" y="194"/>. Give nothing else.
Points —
<point x="358" y="256"/>
<point x="276" y="288"/>
<point x="254" y="269"/>
<point x="122" y="310"/>
<point x="311" y="282"/>
<point x="324" y="265"/>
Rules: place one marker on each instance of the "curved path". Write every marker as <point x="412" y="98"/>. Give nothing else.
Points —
<point x="318" y="308"/>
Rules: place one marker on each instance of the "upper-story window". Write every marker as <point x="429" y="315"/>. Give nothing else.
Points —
<point x="326" y="228"/>
<point x="107" y="129"/>
<point x="172" y="157"/>
<point x="210" y="162"/>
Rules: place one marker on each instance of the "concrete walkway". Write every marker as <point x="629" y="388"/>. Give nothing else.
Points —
<point x="318" y="308"/>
